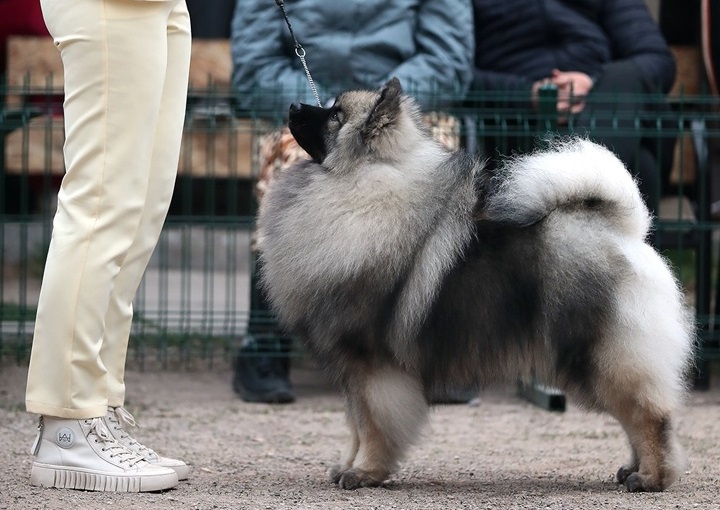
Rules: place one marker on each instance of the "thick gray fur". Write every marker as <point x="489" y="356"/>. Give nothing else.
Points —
<point x="407" y="269"/>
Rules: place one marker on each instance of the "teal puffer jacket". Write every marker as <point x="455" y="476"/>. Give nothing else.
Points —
<point x="350" y="44"/>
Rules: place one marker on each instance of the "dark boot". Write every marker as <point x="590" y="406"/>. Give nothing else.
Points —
<point x="262" y="376"/>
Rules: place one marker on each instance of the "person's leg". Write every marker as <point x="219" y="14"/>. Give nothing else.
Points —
<point x="158" y="187"/>
<point x="114" y="56"/>
<point x="262" y="364"/>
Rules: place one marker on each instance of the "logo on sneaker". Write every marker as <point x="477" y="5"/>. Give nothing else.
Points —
<point x="65" y="437"/>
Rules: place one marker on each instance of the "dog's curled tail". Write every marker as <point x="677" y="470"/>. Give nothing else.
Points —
<point x="572" y="174"/>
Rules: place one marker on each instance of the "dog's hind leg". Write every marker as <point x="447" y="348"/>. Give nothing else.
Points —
<point x="641" y="368"/>
<point x="644" y="396"/>
<point x="644" y="390"/>
<point x="387" y="410"/>
<point x="657" y="459"/>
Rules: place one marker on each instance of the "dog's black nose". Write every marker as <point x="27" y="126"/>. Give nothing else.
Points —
<point x="295" y="107"/>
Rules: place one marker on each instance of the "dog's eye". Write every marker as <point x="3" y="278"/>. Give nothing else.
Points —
<point x="335" y="116"/>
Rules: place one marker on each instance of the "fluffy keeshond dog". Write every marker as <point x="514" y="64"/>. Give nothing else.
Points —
<point x="407" y="269"/>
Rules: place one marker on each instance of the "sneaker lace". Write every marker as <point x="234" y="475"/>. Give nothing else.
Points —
<point x="110" y="445"/>
<point x="122" y="418"/>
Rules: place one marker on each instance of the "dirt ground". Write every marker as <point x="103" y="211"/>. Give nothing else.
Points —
<point x="501" y="453"/>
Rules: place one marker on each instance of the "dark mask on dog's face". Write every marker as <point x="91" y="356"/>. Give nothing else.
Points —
<point x="308" y="125"/>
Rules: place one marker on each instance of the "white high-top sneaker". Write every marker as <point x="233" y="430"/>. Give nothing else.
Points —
<point x="82" y="454"/>
<point x="118" y="419"/>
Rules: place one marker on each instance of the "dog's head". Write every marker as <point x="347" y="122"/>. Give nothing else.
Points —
<point x="360" y="123"/>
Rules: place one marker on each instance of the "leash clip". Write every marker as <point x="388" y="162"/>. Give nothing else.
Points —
<point x="299" y="51"/>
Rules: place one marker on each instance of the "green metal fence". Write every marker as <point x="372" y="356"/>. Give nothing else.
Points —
<point x="194" y="306"/>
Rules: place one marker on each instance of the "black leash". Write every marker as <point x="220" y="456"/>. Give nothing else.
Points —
<point x="299" y="51"/>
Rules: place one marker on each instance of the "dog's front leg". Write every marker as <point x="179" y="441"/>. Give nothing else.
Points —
<point x="337" y="471"/>
<point x="386" y="410"/>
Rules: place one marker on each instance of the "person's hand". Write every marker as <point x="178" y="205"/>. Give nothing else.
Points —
<point x="573" y="87"/>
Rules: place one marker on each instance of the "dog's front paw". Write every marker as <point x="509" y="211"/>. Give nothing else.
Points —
<point x="354" y="478"/>
<point x="336" y="472"/>
<point x="624" y="472"/>
<point x="635" y="482"/>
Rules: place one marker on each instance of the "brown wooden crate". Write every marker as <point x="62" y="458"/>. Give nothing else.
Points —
<point x="35" y="61"/>
<point x="222" y="150"/>
<point x="32" y="62"/>
<point x="36" y="147"/>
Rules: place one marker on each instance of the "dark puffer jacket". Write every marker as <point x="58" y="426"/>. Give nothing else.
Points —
<point x="521" y="41"/>
<point x="427" y="44"/>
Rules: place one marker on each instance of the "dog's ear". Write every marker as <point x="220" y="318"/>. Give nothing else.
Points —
<point x="386" y="110"/>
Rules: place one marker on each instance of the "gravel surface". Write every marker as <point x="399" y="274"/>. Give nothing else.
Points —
<point x="500" y="453"/>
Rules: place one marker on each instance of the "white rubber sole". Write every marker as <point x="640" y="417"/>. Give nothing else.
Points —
<point x="45" y="475"/>
<point x="183" y="470"/>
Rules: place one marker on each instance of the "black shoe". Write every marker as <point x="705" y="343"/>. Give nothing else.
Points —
<point x="262" y="378"/>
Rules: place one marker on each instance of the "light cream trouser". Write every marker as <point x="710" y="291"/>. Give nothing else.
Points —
<point x="126" y="73"/>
